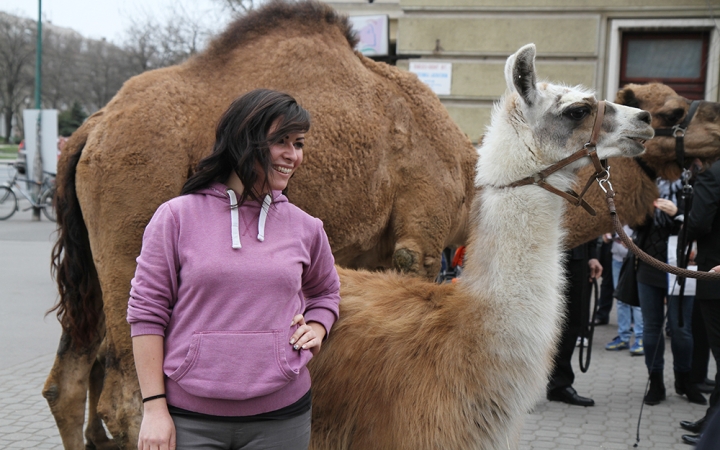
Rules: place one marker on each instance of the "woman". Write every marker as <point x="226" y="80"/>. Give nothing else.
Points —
<point x="652" y="290"/>
<point x="235" y="290"/>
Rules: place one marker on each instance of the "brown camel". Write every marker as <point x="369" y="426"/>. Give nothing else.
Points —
<point x="377" y="134"/>
<point x="386" y="169"/>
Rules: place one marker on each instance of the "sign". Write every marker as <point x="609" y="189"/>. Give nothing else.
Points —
<point x="373" y="34"/>
<point x="435" y="74"/>
<point x="48" y="139"/>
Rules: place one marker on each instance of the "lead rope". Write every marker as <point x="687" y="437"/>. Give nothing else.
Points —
<point x="609" y="197"/>
<point x="588" y="329"/>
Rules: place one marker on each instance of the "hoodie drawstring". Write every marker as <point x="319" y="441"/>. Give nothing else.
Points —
<point x="263" y="216"/>
<point x="235" y="222"/>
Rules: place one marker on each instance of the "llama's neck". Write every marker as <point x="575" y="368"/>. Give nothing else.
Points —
<point x="514" y="261"/>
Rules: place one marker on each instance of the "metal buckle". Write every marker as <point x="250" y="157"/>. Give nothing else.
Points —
<point x="605" y="180"/>
<point x="678" y="131"/>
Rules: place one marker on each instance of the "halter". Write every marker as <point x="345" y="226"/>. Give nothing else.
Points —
<point x="678" y="132"/>
<point x="588" y="150"/>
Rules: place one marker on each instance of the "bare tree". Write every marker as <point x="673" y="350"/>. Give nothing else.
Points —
<point x="152" y="44"/>
<point x="17" y="49"/>
<point x="239" y="7"/>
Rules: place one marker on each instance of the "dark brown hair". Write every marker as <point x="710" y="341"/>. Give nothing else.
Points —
<point x="242" y="140"/>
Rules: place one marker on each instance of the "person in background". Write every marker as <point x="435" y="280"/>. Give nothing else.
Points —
<point x="581" y="266"/>
<point x="629" y="317"/>
<point x="652" y="291"/>
<point x="703" y="226"/>
<point x="234" y="292"/>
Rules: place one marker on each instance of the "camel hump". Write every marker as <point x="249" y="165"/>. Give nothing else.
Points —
<point x="308" y="16"/>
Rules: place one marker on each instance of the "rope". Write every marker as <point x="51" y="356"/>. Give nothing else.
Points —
<point x="588" y="328"/>
<point x="707" y="276"/>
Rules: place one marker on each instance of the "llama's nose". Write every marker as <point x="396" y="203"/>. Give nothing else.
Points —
<point x="645" y="117"/>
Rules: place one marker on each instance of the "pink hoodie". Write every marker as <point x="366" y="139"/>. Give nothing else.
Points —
<point x="222" y="284"/>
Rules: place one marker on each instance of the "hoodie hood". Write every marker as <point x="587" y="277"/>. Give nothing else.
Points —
<point x="223" y="192"/>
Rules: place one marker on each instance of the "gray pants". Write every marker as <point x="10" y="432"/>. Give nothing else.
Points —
<point x="196" y="433"/>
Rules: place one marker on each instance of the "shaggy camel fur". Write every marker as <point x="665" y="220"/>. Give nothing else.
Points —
<point x="635" y="189"/>
<point x="415" y="365"/>
<point x="386" y="169"/>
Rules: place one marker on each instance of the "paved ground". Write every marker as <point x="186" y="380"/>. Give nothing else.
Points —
<point x="28" y="341"/>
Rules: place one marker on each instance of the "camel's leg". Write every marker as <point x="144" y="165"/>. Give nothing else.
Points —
<point x="95" y="435"/>
<point x="66" y="389"/>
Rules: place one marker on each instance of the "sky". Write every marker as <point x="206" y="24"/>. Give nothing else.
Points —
<point x="102" y="18"/>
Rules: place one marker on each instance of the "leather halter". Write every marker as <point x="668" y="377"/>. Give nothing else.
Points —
<point x="588" y="150"/>
<point x="678" y="132"/>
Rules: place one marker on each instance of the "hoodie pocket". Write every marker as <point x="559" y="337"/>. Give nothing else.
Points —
<point x="235" y="365"/>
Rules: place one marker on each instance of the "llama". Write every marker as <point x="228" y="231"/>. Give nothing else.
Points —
<point x="414" y="365"/>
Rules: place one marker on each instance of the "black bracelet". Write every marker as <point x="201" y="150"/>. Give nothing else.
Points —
<point x="154" y="397"/>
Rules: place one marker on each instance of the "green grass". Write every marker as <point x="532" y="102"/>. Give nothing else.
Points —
<point x="8" y="151"/>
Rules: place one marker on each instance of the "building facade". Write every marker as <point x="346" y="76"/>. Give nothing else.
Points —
<point x="601" y="44"/>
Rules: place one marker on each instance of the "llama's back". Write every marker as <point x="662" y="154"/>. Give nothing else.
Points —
<point x="404" y="357"/>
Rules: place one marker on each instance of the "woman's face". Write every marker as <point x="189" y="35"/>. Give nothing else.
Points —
<point x="285" y="157"/>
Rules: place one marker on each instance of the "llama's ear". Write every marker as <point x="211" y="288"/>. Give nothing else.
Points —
<point x="520" y="73"/>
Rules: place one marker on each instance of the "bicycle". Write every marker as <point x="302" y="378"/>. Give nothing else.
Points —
<point x="9" y="202"/>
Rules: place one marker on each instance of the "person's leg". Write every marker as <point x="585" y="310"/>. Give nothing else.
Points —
<point x="653" y="314"/>
<point x="701" y="349"/>
<point x="638" y="323"/>
<point x="681" y="343"/>
<point x="651" y="304"/>
<point x="624" y="316"/>
<point x="605" y="302"/>
<point x="288" y="434"/>
<point x="199" y="433"/>
<point x="710" y="310"/>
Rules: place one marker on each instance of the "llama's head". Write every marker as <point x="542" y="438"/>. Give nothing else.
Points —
<point x="538" y="124"/>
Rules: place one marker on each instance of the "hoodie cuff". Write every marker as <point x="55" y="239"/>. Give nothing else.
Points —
<point x="323" y="316"/>
<point x="143" y="328"/>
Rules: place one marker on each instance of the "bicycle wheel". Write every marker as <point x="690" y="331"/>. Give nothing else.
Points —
<point x="8" y="202"/>
<point x="48" y="205"/>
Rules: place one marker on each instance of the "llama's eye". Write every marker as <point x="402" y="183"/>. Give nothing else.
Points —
<point x="577" y="113"/>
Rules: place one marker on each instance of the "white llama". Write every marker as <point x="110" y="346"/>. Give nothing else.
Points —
<point x="415" y="365"/>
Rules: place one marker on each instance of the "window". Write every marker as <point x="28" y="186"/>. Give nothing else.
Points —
<point x="678" y="59"/>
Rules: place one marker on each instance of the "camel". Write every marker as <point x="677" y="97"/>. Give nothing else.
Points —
<point x="415" y="365"/>
<point x="386" y="169"/>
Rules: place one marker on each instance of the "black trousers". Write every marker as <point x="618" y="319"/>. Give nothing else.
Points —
<point x="701" y="349"/>
<point x="577" y="294"/>
<point x="605" y="302"/>
<point x="710" y="310"/>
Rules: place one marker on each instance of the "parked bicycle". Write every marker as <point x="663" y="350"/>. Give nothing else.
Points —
<point x="8" y="199"/>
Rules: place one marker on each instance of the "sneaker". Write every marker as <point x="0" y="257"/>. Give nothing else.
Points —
<point x="617" y="344"/>
<point x="637" y="348"/>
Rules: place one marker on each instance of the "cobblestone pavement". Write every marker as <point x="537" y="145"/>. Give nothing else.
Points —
<point x="615" y="380"/>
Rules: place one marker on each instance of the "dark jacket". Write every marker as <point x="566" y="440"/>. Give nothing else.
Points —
<point x="703" y="224"/>
<point x="652" y="238"/>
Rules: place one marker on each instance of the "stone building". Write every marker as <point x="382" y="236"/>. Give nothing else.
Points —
<point x="602" y="44"/>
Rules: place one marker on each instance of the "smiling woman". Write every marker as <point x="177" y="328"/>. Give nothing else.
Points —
<point x="193" y="287"/>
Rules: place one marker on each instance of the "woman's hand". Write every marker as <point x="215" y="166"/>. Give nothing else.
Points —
<point x="715" y="269"/>
<point x="157" y="430"/>
<point x="308" y="336"/>
<point x="666" y="206"/>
